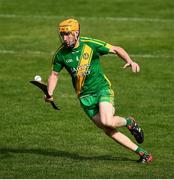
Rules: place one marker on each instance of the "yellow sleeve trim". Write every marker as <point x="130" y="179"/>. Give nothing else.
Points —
<point x="109" y="46"/>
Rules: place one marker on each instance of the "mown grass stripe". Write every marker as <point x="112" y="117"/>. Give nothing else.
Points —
<point x="136" y="19"/>
<point x="52" y="53"/>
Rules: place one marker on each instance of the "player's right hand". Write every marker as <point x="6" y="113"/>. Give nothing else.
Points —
<point x="135" y="67"/>
<point x="48" y="99"/>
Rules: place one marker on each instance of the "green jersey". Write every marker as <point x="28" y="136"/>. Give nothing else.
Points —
<point x="83" y="65"/>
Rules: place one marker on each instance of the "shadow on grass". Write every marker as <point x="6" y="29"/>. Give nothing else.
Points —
<point x="57" y="153"/>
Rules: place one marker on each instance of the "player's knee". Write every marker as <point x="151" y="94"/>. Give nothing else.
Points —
<point x="109" y="131"/>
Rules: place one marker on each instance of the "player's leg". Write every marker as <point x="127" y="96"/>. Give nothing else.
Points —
<point x="107" y="119"/>
<point x="122" y="139"/>
<point x="113" y="133"/>
<point x="106" y="104"/>
<point x="91" y="107"/>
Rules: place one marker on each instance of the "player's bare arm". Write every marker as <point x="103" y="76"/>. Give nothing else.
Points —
<point x="124" y="55"/>
<point x="52" y="82"/>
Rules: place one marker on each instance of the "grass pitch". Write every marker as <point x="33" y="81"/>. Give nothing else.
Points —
<point x="39" y="142"/>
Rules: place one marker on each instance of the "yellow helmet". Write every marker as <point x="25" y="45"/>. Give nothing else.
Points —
<point x="69" y="25"/>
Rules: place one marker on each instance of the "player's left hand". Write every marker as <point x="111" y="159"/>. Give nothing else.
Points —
<point x="135" y="67"/>
<point x="48" y="99"/>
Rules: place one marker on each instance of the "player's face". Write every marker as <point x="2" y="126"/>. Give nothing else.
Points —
<point x="68" y="39"/>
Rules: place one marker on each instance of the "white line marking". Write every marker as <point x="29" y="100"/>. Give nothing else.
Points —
<point x="24" y="52"/>
<point x="136" y="19"/>
<point x="152" y="56"/>
<point x="36" y="53"/>
<point x="7" y="52"/>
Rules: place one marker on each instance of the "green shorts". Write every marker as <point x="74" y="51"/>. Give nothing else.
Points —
<point x="90" y="102"/>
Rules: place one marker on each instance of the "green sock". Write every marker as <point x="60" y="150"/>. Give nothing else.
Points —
<point x="140" y="151"/>
<point x="128" y="121"/>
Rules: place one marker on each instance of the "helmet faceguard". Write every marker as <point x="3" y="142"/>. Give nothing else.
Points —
<point x="71" y="29"/>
